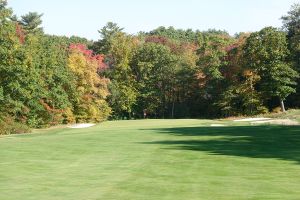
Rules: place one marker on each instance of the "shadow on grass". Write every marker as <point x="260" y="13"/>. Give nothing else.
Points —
<point x="280" y="142"/>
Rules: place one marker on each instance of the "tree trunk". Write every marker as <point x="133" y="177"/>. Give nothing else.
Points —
<point x="282" y="105"/>
<point x="173" y="107"/>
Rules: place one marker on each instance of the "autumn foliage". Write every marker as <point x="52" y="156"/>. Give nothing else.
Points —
<point x="91" y="88"/>
<point x="164" y="73"/>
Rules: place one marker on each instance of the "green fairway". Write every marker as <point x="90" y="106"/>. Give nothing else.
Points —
<point x="152" y="159"/>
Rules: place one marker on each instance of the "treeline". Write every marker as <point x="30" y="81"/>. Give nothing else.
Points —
<point x="47" y="80"/>
<point x="165" y="73"/>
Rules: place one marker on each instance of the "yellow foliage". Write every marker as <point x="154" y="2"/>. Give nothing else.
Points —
<point x="69" y="116"/>
<point x="91" y="88"/>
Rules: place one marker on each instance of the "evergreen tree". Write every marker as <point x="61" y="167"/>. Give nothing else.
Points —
<point x="31" y="22"/>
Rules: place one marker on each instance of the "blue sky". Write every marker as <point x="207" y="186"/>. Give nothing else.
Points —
<point x="85" y="17"/>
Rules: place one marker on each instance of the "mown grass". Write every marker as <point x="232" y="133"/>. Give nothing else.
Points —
<point x="153" y="159"/>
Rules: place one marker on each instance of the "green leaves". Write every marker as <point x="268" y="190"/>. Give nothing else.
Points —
<point x="212" y="55"/>
<point x="1" y="94"/>
<point x="266" y="53"/>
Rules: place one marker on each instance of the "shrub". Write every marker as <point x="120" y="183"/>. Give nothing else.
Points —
<point x="276" y="110"/>
<point x="69" y="117"/>
<point x="10" y="126"/>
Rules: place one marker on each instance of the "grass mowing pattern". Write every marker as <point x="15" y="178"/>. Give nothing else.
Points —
<point x="152" y="159"/>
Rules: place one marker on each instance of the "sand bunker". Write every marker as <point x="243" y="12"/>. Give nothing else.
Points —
<point x="252" y="119"/>
<point x="286" y="122"/>
<point x="262" y="120"/>
<point x="217" y="125"/>
<point x="81" y="125"/>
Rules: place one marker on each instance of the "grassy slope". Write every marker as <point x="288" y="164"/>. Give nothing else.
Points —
<point x="152" y="159"/>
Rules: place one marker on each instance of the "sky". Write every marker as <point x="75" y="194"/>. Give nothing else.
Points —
<point x="84" y="17"/>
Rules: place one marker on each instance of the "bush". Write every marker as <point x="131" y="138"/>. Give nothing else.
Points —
<point x="10" y="126"/>
<point x="69" y="117"/>
<point x="276" y="110"/>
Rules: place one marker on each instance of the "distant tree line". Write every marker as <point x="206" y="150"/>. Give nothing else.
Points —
<point x="164" y="73"/>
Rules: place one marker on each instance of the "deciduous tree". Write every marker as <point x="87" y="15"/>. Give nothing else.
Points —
<point x="266" y="54"/>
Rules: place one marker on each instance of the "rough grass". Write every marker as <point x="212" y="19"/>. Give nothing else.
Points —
<point x="153" y="159"/>
<point x="293" y="114"/>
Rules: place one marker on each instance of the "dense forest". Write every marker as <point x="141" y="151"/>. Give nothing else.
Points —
<point x="164" y="73"/>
